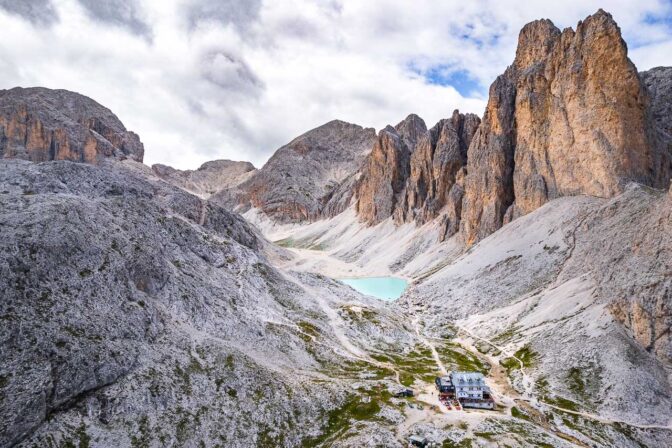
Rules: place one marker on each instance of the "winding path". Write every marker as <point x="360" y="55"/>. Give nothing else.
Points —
<point x="428" y="343"/>
<point x="528" y="396"/>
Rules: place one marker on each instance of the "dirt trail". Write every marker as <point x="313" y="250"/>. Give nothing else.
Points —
<point x="336" y="323"/>
<point x="529" y="397"/>
<point x="528" y="384"/>
<point x="428" y="343"/>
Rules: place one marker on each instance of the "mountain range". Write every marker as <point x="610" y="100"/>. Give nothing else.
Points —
<point x="151" y="306"/>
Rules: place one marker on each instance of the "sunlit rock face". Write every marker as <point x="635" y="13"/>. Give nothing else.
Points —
<point x="569" y="116"/>
<point x="39" y="124"/>
<point x="383" y="177"/>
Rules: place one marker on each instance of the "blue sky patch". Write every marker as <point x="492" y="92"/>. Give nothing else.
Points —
<point x="661" y="21"/>
<point x="443" y="75"/>
<point x="665" y="19"/>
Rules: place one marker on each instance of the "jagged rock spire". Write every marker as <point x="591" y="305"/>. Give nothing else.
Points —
<point x="383" y="176"/>
<point x="568" y="117"/>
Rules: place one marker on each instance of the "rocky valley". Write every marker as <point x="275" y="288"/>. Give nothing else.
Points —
<point x="151" y="306"/>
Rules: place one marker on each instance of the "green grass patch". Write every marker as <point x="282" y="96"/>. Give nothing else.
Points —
<point x="364" y="316"/>
<point x="509" y="364"/>
<point x="285" y="242"/>
<point x="356" y="369"/>
<point x="340" y="420"/>
<point x="308" y="330"/>
<point x="585" y="383"/>
<point x="517" y="413"/>
<point x="563" y="403"/>
<point x="305" y="243"/>
<point x="506" y="335"/>
<point x="485" y="435"/>
<point x="455" y="357"/>
<point x="575" y="381"/>
<point x="464" y="443"/>
<point x="524" y="354"/>
<point x="542" y="385"/>
<point x="527" y="356"/>
<point x="417" y="364"/>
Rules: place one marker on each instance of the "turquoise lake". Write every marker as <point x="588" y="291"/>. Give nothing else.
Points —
<point x="386" y="288"/>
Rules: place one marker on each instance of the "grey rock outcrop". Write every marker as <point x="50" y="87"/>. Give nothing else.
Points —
<point x="341" y="197"/>
<point x="209" y="178"/>
<point x="568" y="117"/>
<point x="41" y="124"/>
<point x="299" y="179"/>
<point x="136" y="314"/>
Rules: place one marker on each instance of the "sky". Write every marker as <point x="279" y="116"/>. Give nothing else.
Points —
<point x="202" y="79"/>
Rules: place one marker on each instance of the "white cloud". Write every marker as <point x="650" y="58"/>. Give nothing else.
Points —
<point x="204" y="79"/>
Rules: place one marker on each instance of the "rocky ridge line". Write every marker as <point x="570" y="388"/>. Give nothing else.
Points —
<point x="209" y="178"/>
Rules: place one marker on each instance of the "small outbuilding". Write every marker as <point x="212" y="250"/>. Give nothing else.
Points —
<point x="418" y="441"/>
<point x="404" y="393"/>
<point x="445" y="385"/>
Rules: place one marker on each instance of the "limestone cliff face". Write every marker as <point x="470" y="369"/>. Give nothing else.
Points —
<point x="417" y="175"/>
<point x="569" y="116"/>
<point x="209" y="178"/>
<point x="40" y="124"/>
<point x="437" y="167"/>
<point x="383" y="177"/>
<point x="411" y="130"/>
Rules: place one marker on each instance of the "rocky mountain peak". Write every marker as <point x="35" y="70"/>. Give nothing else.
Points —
<point x="437" y="167"/>
<point x="40" y="124"/>
<point x="209" y="178"/>
<point x="383" y="176"/>
<point x="301" y="177"/>
<point x="411" y="129"/>
<point x="421" y="184"/>
<point x="535" y="41"/>
<point x="569" y="117"/>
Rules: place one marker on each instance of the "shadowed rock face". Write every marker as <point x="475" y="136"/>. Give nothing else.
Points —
<point x="412" y="129"/>
<point x="569" y="116"/>
<point x="39" y="124"/>
<point x="300" y="178"/>
<point x="210" y="178"/>
<point x="658" y="82"/>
